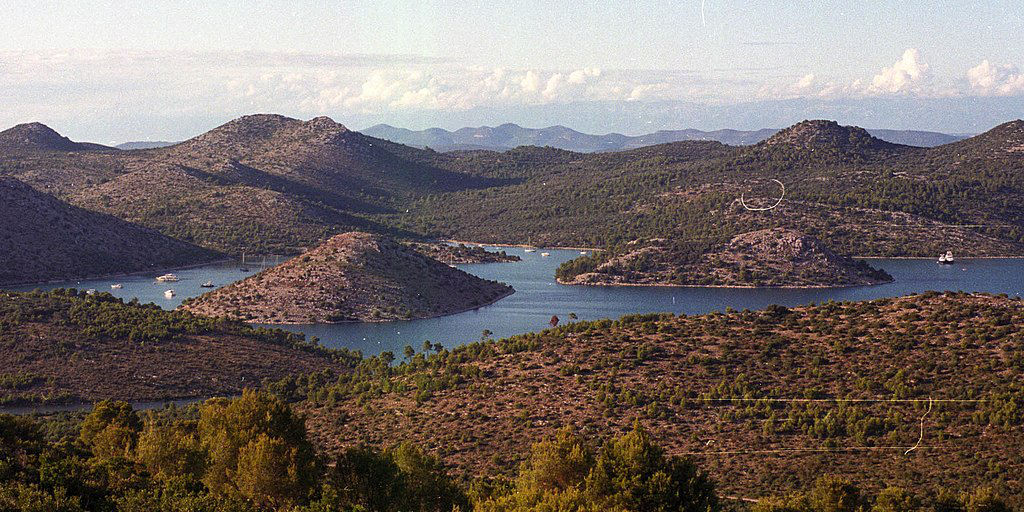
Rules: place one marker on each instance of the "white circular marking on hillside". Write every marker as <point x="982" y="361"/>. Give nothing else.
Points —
<point x="777" y="202"/>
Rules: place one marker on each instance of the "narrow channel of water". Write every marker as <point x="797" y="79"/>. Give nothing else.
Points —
<point x="538" y="297"/>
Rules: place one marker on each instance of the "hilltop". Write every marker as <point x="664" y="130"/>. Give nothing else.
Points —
<point x="37" y="137"/>
<point x="351" y="277"/>
<point x="767" y="258"/>
<point x="730" y="390"/>
<point x="260" y="183"/>
<point x="45" y="239"/>
<point x="66" y="346"/>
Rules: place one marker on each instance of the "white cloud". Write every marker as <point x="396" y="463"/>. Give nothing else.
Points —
<point x="530" y="82"/>
<point x="907" y="74"/>
<point x="989" y="79"/>
<point x="553" y="84"/>
<point x="582" y="75"/>
<point x="647" y="91"/>
<point x="805" y="82"/>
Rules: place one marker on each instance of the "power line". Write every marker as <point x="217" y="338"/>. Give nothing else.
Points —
<point x="783" y="451"/>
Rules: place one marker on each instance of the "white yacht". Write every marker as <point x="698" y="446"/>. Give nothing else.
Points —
<point x="545" y="254"/>
<point x="208" y="284"/>
<point x="169" y="294"/>
<point x="167" y="278"/>
<point x="116" y="286"/>
<point x="946" y="259"/>
<point x="529" y="250"/>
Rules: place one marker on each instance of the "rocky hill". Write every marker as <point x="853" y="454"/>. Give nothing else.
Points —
<point x="43" y="239"/>
<point x="66" y="346"/>
<point x="829" y="137"/>
<point x="260" y="183"/>
<point x="767" y="258"/>
<point x="765" y="401"/>
<point x="36" y="137"/>
<point x="353" y="277"/>
<point x="1004" y="142"/>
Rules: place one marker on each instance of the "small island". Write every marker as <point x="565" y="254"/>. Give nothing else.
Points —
<point x="771" y="258"/>
<point x="353" y="277"/>
<point x="462" y="253"/>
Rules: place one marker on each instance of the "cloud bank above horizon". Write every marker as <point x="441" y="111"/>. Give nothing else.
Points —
<point x="140" y="71"/>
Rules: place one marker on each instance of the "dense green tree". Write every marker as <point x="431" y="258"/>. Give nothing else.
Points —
<point x="111" y="429"/>
<point x="257" y="449"/>
<point x="631" y="472"/>
<point x="896" y="499"/>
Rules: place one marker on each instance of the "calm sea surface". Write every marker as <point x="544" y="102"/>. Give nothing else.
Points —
<point x="538" y="297"/>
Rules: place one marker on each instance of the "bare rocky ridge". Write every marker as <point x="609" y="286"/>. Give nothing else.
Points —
<point x="817" y="135"/>
<point x="353" y="277"/>
<point x="42" y="239"/>
<point x="39" y="137"/>
<point x="766" y="258"/>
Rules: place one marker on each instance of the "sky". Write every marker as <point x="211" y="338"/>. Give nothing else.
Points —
<point x="116" y="71"/>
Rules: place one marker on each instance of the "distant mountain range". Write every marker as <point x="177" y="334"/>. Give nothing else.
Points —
<point x="508" y="136"/>
<point x="144" y="144"/>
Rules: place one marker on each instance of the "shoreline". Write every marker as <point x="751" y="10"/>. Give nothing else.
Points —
<point x="26" y="408"/>
<point x="122" y="274"/>
<point x="470" y="308"/>
<point x="934" y="259"/>
<point x="731" y="286"/>
<point x="525" y="246"/>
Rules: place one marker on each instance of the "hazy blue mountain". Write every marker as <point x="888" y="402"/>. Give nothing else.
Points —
<point x="144" y="144"/>
<point x="508" y="135"/>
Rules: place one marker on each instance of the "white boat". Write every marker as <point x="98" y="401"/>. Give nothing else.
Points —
<point x="90" y="291"/>
<point x="545" y="254"/>
<point x="529" y="250"/>
<point x="208" y="284"/>
<point x="116" y="286"/>
<point x="946" y="259"/>
<point x="169" y="294"/>
<point x="583" y="253"/>
<point x="167" y="278"/>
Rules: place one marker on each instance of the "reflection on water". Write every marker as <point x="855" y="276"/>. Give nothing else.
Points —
<point x="538" y="297"/>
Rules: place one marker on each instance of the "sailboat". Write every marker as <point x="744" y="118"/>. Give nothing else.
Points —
<point x="208" y="284"/>
<point x="243" y="268"/>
